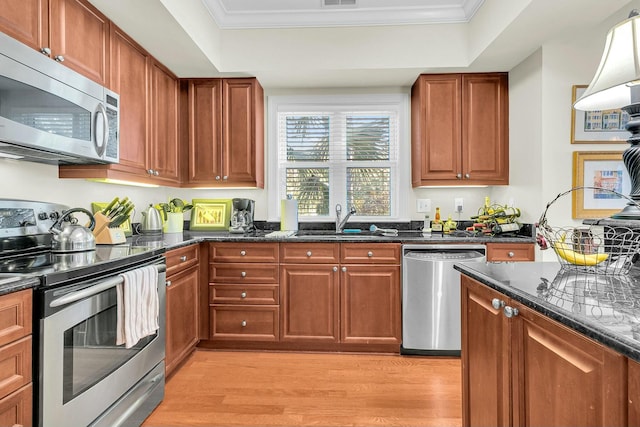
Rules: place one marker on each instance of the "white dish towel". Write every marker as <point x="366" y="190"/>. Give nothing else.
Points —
<point x="137" y="305"/>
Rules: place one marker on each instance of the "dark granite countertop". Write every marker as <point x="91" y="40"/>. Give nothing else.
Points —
<point x="603" y="308"/>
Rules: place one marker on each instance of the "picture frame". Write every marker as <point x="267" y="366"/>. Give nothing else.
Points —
<point x="210" y="214"/>
<point x="597" y="127"/>
<point x="603" y="169"/>
<point x="125" y="226"/>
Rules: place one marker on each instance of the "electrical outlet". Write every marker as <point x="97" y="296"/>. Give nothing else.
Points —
<point x="458" y="202"/>
<point x="423" y="205"/>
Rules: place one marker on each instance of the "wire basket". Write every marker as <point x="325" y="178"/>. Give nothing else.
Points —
<point x="602" y="247"/>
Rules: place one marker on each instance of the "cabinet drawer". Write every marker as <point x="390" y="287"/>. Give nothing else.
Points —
<point x="245" y="323"/>
<point x="15" y="316"/>
<point x="243" y="294"/>
<point x="510" y="252"/>
<point x="316" y="253"/>
<point x="16" y="409"/>
<point x="15" y="365"/>
<point x="243" y="252"/>
<point x="181" y="258"/>
<point x="243" y="273"/>
<point x="370" y="253"/>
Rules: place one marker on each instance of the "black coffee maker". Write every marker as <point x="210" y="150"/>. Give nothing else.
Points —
<point x="242" y="215"/>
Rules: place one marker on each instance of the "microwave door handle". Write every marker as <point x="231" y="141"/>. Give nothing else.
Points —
<point x="100" y="149"/>
<point x="87" y="292"/>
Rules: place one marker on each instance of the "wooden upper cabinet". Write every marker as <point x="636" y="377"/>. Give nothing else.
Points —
<point x="27" y="21"/>
<point x="459" y="132"/>
<point x="163" y="162"/>
<point x="130" y="79"/>
<point x="70" y="31"/>
<point x="226" y="133"/>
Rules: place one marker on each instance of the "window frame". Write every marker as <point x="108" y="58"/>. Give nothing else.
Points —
<point x="398" y="102"/>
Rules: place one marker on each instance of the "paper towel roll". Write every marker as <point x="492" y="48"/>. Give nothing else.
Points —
<point x="289" y="215"/>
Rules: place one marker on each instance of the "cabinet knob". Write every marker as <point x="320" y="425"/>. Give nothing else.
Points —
<point x="59" y="58"/>
<point x="510" y="312"/>
<point x="344" y="269"/>
<point x="218" y="178"/>
<point x="224" y="178"/>
<point x="511" y="254"/>
<point x="168" y="283"/>
<point x="45" y="51"/>
<point x="459" y="176"/>
<point x="335" y="269"/>
<point x="369" y="254"/>
<point x="466" y="175"/>
<point x="156" y="173"/>
<point x="183" y="258"/>
<point x="243" y="274"/>
<point x="308" y="253"/>
<point x="150" y="171"/>
<point x="243" y="323"/>
<point x="243" y="253"/>
<point x="497" y="303"/>
<point x="243" y="295"/>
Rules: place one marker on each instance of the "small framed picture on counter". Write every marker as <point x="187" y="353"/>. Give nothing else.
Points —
<point x="210" y="214"/>
<point x="604" y="170"/>
<point x="597" y="127"/>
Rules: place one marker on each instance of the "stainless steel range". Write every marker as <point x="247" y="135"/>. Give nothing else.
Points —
<point x="81" y="376"/>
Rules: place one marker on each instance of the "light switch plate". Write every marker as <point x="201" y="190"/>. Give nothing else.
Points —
<point x="423" y="205"/>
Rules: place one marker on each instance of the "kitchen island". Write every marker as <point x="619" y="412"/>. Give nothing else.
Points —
<point x="544" y="346"/>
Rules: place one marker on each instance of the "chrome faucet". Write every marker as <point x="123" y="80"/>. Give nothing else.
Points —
<point x="340" y="224"/>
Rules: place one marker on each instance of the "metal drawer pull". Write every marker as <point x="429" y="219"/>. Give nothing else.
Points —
<point x="183" y="258"/>
<point x="243" y="253"/>
<point x="344" y="269"/>
<point x="243" y="274"/>
<point x="511" y="254"/>
<point x="510" y="312"/>
<point x="168" y="283"/>
<point x="243" y="323"/>
<point x="243" y="295"/>
<point x="369" y="254"/>
<point x="308" y="253"/>
<point x="497" y="303"/>
<point x="335" y="268"/>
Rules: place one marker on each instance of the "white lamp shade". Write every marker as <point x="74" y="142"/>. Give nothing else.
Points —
<point x="619" y="66"/>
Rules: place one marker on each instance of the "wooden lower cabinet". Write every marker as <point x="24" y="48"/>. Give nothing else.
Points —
<point x="633" y="392"/>
<point x="530" y="370"/>
<point x="511" y="252"/>
<point x="16" y="409"/>
<point x="310" y="302"/>
<point x="183" y="281"/>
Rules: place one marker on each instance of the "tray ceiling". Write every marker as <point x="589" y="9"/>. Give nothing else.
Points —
<point x="329" y="13"/>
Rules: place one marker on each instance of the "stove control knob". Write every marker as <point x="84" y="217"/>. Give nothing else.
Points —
<point x="54" y="216"/>
<point x="43" y="216"/>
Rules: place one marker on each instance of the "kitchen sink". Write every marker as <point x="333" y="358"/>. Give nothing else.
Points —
<point x="332" y="235"/>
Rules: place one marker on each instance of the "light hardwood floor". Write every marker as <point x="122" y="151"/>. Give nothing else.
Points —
<point x="225" y="388"/>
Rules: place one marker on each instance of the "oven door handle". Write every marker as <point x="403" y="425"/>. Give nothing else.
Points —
<point x="86" y="293"/>
<point x="91" y="290"/>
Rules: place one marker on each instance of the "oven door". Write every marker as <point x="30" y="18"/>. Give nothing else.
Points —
<point x="82" y="370"/>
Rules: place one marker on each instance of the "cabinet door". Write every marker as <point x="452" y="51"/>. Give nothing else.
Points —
<point x="561" y="378"/>
<point x="309" y="301"/>
<point x="16" y="408"/>
<point x="633" y="393"/>
<point x="80" y="34"/>
<point x="164" y="161"/>
<point x="182" y="317"/>
<point x="242" y="138"/>
<point x="485" y="137"/>
<point x="370" y="312"/>
<point x="130" y="79"/>
<point x="27" y="21"/>
<point x="436" y="129"/>
<point x="205" y="131"/>
<point x="485" y="358"/>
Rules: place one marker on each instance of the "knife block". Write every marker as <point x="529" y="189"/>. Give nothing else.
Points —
<point x="106" y="235"/>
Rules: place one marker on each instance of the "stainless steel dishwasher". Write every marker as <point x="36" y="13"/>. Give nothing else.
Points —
<point x="431" y="297"/>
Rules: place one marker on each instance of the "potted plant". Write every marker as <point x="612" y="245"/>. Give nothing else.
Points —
<point x="173" y="215"/>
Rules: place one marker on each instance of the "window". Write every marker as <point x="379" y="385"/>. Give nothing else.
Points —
<point x="338" y="150"/>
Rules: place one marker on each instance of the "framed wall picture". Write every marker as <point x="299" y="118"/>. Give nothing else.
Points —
<point x="602" y="169"/>
<point x="210" y="214"/>
<point x="597" y="127"/>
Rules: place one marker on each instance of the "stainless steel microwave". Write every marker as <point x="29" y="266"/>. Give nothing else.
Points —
<point x="50" y="113"/>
